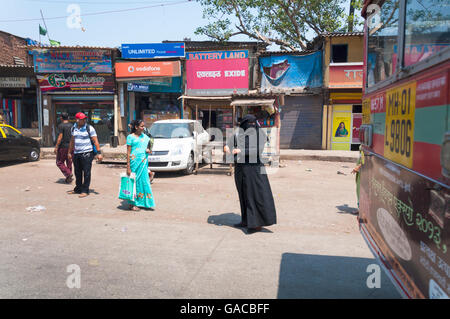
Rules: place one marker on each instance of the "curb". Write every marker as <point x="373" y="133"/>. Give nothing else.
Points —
<point x="121" y="158"/>
<point x="327" y="158"/>
<point x="114" y="157"/>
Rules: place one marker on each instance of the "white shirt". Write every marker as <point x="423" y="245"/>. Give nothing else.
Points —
<point x="83" y="143"/>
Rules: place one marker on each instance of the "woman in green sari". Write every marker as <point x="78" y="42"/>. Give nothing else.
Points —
<point x="341" y="130"/>
<point x="137" y="162"/>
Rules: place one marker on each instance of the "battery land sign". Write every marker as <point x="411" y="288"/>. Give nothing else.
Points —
<point x="217" y="73"/>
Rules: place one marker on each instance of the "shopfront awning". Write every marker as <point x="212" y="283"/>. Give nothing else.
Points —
<point x="204" y="98"/>
<point x="258" y="102"/>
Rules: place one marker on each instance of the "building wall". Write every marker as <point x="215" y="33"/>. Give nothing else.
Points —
<point x="10" y="47"/>
<point x="355" y="51"/>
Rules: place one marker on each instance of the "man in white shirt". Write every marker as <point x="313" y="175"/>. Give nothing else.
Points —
<point x="82" y="143"/>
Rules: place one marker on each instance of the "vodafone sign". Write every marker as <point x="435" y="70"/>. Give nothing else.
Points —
<point x="146" y="69"/>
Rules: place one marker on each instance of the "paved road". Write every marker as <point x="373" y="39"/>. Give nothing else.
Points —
<point x="186" y="248"/>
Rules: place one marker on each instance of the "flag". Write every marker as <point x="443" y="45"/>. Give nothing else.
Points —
<point x="55" y="43"/>
<point x="42" y="31"/>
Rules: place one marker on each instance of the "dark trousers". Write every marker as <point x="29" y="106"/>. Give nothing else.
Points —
<point x="63" y="162"/>
<point x="83" y="164"/>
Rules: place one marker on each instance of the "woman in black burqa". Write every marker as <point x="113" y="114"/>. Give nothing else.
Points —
<point x="255" y="194"/>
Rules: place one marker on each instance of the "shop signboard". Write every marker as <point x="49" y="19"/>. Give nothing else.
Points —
<point x="346" y="75"/>
<point x="14" y="82"/>
<point x="133" y="70"/>
<point x="407" y="216"/>
<point x="156" y="85"/>
<point x="152" y="50"/>
<point x="289" y="72"/>
<point x="85" y="61"/>
<point x="217" y="73"/>
<point x="76" y="83"/>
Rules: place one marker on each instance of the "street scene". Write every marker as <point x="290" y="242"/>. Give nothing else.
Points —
<point x="225" y="150"/>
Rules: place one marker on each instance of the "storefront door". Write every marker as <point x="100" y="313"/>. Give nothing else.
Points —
<point x="100" y="115"/>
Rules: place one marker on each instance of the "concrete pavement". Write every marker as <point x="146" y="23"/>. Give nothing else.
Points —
<point x="187" y="247"/>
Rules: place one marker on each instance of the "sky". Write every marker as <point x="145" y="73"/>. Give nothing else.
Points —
<point x="153" y="21"/>
<point x="175" y="20"/>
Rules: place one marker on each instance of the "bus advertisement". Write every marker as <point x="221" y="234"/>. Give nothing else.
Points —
<point x="405" y="135"/>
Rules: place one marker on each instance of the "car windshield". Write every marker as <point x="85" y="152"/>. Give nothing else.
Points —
<point x="172" y="130"/>
<point x="9" y="132"/>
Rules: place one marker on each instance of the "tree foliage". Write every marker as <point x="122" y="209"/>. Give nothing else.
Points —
<point x="287" y="23"/>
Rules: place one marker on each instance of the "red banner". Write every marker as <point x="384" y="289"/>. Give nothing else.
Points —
<point x="346" y="76"/>
<point x="217" y="73"/>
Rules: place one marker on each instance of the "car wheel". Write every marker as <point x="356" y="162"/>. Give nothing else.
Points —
<point x="33" y="155"/>
<point x="190" y="165"/>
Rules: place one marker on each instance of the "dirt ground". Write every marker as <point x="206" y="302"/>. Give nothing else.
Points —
<point x="187" y="247"/>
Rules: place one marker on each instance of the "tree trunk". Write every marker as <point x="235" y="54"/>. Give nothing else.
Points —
<point x="351" y="16"/>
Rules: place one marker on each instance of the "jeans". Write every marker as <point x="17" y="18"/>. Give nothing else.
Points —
<point x="83" y="164"/>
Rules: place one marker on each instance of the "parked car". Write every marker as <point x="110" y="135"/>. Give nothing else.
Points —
<point x="175" y="143"/>
<point x="14" y="145"/>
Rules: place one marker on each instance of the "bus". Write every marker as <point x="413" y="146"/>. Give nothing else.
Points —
<point x="404" y="207"/>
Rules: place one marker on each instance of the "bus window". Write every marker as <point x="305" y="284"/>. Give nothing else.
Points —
<point x="427" y="29"/>
<point x="382" y="41"/>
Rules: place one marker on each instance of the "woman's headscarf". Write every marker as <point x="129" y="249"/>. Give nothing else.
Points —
<point x="248" y="121"/>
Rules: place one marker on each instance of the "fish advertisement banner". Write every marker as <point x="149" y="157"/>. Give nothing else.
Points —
<point x="86" y="61"/>
<point x="288" y="71"/>
<point x="76" y="83"/>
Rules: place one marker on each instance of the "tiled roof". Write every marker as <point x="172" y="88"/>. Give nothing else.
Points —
<point x="68" y="47"/>
<point x="16" y="70"/>
<point x="210" y="45"/>
<point x="342" y="34"/>
<point x="272" y="53"/>
<point x="15" y="66"/>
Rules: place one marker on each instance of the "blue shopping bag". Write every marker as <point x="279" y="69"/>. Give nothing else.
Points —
<point x="127" y="190"/>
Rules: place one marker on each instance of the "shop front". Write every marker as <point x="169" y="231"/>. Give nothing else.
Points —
<point x="152" y="89"/>
<point x="18" y="98"/>
<point x="76" y="80"/>
<point x="266" y="110"/>
<point x="344" y="112"/>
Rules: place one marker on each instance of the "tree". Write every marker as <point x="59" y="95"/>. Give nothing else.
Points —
<point x="287" y="23"/>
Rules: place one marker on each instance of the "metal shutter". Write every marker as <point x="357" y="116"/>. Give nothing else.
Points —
<point x="301" y="122"/>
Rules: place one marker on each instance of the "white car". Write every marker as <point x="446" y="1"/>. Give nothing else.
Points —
<point x="177" y="145"/>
